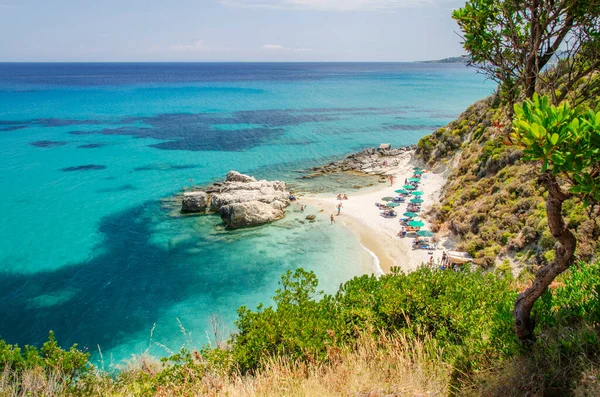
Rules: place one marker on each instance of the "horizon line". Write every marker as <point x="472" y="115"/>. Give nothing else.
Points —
<point x="415" y="61"/>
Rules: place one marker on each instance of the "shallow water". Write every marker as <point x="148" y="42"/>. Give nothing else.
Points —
<point x="89" y="150"/>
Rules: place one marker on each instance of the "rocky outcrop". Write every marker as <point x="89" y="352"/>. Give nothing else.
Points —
<point x="194" y="202"/>
<point x="241" y="200"/>
<point x="234" y="176"/>
<point x="370" y="161"/>
<point x="251" y="213"/>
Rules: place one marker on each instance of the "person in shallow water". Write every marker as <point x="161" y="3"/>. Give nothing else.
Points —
<point x="332" y="218"/>
<point x="339" y="208"/>
<point x="345" y="197"/>
<point x="339" y="196"/>
<point x="301" y="208"/>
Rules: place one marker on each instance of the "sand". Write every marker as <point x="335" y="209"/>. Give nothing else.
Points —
<point x="376" y="233"/>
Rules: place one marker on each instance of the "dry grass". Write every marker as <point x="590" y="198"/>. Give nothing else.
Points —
<point x="390" y="366"/>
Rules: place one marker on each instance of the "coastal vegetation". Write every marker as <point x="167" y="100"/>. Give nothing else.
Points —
<point x="522" y="198"/>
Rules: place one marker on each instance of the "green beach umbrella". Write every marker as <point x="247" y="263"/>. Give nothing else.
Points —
<point x="409" y="187"/>
<point x="392" y="204"/>
<point x="418" y="169"/>
<point x="419" y="172"/>
<point x="425" y="233"/>
<point x="414" y="179"/>
<point x="417" y="193"/>
<point x="410" y="214"/>
<point x="416" y="224"/>
<point x="388" y="199"/>
<point x="417" y="200"/>
<point x="401" y="191"/>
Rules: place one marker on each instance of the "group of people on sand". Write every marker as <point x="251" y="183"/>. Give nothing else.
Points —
<point x="447" y="264"/>
<point x="344" y="197"/>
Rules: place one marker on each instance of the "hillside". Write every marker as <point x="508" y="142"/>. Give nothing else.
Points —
<point x="461" y="59"/>
<point x="492" y="202"/>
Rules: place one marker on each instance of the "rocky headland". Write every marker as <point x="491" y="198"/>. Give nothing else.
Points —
<point x="241" y="200"/>
<point x="372" y="161"/>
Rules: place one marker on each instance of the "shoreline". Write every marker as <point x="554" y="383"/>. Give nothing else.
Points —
<point x="378" y="235"/>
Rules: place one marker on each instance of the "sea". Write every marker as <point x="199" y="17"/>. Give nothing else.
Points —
<point x="91" y="154"/>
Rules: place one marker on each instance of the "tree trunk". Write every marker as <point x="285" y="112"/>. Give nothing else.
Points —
<point x="564" y="249"/>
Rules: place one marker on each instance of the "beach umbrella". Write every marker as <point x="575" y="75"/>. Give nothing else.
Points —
<point x="401" y="191"/>
<point x="410" y="214"/>
<point x="419" y="172"/>
<point x="388" y="199"/>
<point x="416" y="224"/>
<point x="425" y="233"/>
<point x="418" y="169"/>
<point x="417" y="193"/>
<point x="392" y="204"/>
<point x="414" y="179"/>
<point x="417" y="201"/>
<point x="409" y="187"/>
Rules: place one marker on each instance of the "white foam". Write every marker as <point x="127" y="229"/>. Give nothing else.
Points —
<point x="377" y="270"/>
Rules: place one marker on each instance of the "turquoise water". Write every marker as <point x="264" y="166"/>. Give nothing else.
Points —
<point x="88" y="151"/>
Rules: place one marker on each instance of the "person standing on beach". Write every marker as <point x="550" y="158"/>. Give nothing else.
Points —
<point x="391" y="180"/>
<point x="339" y="208"/>
<point x="332" y="219"/>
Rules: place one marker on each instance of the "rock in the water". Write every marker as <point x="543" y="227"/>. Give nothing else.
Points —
<point x="251" y="213"/>
<point x="234" y="176"/>
<point x="194" y="202"/>
<point x="241" y="200"/>
<point x="311" y="217"/>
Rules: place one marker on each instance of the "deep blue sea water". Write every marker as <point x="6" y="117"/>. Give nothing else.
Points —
<point x="88" y="151"/>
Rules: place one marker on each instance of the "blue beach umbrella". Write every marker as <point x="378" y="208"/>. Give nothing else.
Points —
<point x="410" y="214"/>
<point x="417" y="201"/>
<point x="417" y="193"/>
<point x="425" y="233"/>
<point x="414" y="179"/>
<point x="401" y="191"/>
<point x="419" y="172"/>
<point x="392" y="204"/>
<point x="416" y="224"/>
<point x="409" y="187"/>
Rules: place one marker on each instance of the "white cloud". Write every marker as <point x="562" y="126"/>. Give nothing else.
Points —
<point x="279" y="47"/>
<point x="336" y="5"/>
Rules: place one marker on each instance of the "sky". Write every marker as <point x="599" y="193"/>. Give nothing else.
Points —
<point x="228" y="30"/>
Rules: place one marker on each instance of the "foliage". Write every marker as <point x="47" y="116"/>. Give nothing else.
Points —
<point x="51" y="358"/>
<point x="565" y="141"/>
<point x="467" y="314"/>
<point x="511" y="41"/>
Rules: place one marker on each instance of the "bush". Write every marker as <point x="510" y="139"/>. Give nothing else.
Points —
<point x="466" y="314"/>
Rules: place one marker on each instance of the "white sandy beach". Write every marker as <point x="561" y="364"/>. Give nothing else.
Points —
<point x="379" y="234"/>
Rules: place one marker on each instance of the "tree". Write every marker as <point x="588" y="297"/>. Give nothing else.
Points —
<point x="512" y="41"/>
<point x="566" y="142"/>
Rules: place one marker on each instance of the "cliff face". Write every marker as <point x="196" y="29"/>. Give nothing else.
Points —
<point x="492" y="201"/>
